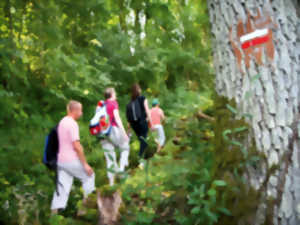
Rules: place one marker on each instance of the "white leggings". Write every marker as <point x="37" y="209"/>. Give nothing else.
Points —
<point x="66" y="173"/>
<point x="161" y="134"/>
<point x="115" y="140"/>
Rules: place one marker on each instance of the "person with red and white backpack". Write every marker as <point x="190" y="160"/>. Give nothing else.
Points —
<point x="116" y="136"/>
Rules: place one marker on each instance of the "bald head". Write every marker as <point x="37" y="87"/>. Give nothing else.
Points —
<point x="73" y="105"/>
<point x="74" y="109"/>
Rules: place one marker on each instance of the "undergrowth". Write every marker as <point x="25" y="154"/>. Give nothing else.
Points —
<point x="198" y="178"/>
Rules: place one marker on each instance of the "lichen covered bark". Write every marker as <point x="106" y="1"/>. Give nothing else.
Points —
<point x="269" y="92"/>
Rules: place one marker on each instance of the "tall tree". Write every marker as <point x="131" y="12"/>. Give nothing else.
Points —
<point x="257" y="63"/>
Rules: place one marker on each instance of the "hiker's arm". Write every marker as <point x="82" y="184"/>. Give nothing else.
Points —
<point x="119" y="122"/>
<point x="128" y="128"/>
<point x="200" y="114"/>
<point x="163" y="117"/>
<point x="147" y="111"/>
<point x="79" y="150"/>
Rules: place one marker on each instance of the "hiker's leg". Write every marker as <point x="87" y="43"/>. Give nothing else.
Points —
<point x="143" y="138"/>
<point x="125" y="149"/>
<point x="77" y="170"/>
<point x="161" y="137"/>
<point x="119" y="141"/>
<point x="111" y="164"/>
<point x="156" y="139"/>
<point x="143" y="145"/>
<point x="141" y="130"/>
<point x="111" y="159"/>
<point x="158" y="148"/>
<point x="64" y="184"/>
<point x="54" y="211"/>
<point x="88" y="185"/>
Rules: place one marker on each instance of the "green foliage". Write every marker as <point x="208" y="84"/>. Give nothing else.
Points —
<point x="52" y="51"/>
<point x="199" y="176"/>
<point x="179" y="188"/>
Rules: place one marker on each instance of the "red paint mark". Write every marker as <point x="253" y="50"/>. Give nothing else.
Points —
<point x="255" y="41"/>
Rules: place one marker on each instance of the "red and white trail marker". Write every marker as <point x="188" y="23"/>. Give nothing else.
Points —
<point x="256" y="37"/>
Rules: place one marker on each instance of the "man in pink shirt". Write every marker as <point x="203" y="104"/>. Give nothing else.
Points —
<point x="157" y="115"/>
<point x="71" y="161"/>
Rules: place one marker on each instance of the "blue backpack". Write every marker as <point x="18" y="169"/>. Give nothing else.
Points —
<point x="51" y="152"/>
<point x="51" y="149"/>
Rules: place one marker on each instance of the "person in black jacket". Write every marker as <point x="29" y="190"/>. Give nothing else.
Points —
<point x="138" y="114"/>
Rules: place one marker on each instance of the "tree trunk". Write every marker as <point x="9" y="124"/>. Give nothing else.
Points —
<point x="109" y="207"/>
<point x="262" y="75"/>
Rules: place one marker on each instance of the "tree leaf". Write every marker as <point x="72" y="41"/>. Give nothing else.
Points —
<point x="212" y="192"/>
<point x="233" y="110"/>
<point x="195" y="210"/>
<point x="219" y="183"/>
<point x="225" y="211"/>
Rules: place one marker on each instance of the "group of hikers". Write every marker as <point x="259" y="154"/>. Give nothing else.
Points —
<point x="71" y="160"/>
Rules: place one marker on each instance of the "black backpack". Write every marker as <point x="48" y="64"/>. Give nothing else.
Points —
<point x="51" y="149"/>
<point x="134" y="111"/>
<point x="51" y="152"/>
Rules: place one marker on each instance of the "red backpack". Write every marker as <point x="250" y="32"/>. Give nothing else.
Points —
<point x="100" y="125"/>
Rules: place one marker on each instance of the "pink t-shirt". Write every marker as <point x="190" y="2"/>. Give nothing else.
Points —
<point x="156" y="115"/>
<point x="111" y="105"/>
<point x="68" y="132"/>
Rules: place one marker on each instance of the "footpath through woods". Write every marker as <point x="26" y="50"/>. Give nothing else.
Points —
<point x="140" y="192"/>
<point x="197" y="178"/>
<point x="190" y="181"/>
